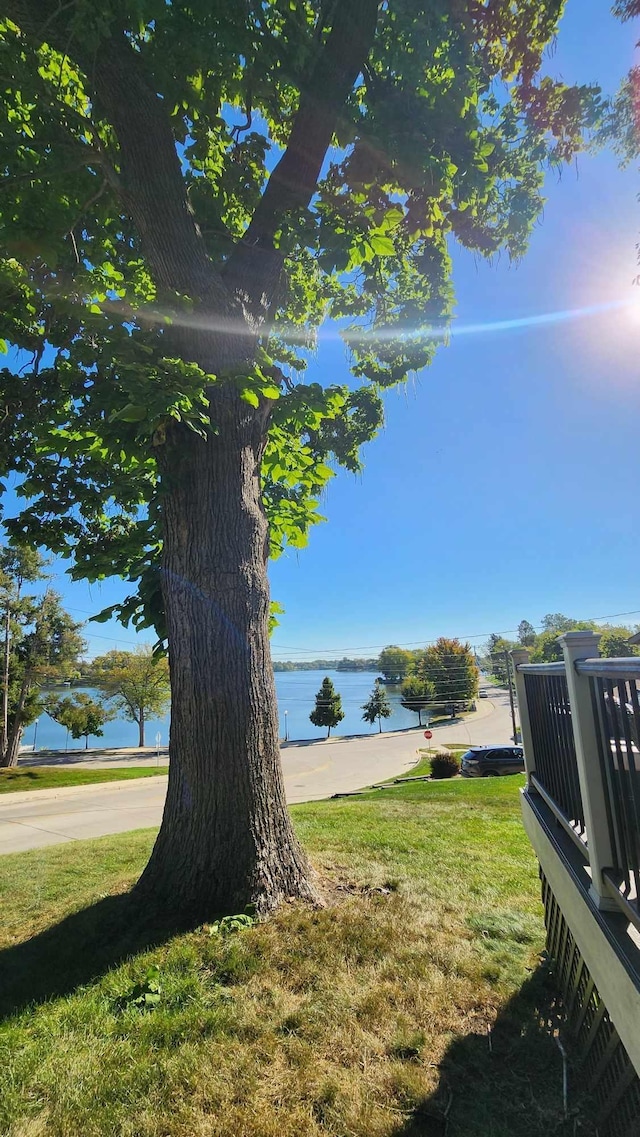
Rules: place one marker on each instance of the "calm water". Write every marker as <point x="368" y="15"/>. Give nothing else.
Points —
<point x="296" y="695"/>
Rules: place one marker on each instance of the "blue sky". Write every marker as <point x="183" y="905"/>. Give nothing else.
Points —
<point x="506" y="482"/>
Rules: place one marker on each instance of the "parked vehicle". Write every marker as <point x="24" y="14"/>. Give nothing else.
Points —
<point x="492" y="761"/>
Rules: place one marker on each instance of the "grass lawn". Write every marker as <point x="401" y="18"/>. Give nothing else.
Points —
<point x="412" y="1005"/>
<point x="51" y="777"/>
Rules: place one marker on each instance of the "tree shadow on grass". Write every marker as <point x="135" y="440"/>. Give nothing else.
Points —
<point x="507" y="1083"/>
<point x="78" y="950"/>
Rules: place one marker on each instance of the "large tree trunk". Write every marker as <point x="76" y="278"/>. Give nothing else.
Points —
<point x="141" y="728"/>
<point x="226" y="838"/>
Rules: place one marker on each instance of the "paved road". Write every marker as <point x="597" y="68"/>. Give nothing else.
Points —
<point x="312" y="770"/>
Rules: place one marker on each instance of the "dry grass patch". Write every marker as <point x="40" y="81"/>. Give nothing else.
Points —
<point x="364" y="1019"/>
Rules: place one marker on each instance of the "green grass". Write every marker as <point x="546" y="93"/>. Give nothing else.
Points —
<point x="50" y="777"/>
<point x="370" y="1017"/>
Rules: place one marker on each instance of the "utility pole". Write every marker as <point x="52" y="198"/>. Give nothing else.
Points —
<point x="507" y="661"/>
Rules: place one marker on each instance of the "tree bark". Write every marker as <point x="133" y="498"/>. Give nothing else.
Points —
<point x="226" y="838"/>
<point x="141" y="728"/>
<point x="12" y="750"/>
<point x="5" y="681"/>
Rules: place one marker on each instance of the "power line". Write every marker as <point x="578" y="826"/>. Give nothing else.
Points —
<point x="426" y="643"/>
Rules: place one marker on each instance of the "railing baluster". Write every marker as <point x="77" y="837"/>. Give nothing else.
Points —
<point x="619" y="797"/>
<point x="634" y="758"/>
<point x="551" y="738"/>
<point x="606" y="765"/>
<point x="616" y="703"/>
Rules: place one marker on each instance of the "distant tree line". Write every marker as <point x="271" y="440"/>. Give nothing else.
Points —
<point x="543" y="645"/>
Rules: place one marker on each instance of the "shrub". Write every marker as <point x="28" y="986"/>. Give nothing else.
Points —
<point x="444" y="765"/>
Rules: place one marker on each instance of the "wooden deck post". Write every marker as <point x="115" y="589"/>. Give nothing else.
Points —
<point x="518" y="656"/>
<point x="576" y="646"/>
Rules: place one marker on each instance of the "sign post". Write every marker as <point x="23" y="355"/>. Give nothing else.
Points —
<point x="158" y="741"/>
<point x="429" y="735"/>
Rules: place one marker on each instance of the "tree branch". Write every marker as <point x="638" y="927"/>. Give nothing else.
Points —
<point x="253" y="270"/>
<point x="152" y="188"/>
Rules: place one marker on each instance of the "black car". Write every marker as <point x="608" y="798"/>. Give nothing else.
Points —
<point x="491" y="761"/>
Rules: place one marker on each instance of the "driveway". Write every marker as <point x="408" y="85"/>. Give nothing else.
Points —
<point x="312" y="770"/>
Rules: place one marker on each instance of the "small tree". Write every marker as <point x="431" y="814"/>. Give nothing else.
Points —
<point x="136" y="681"/>
<point x="377" y="706"/>
<point x="82" y="715"/>
<point x="328" y="709"/>
<point x="417" y="694"/>
<point x="45" y="644"/>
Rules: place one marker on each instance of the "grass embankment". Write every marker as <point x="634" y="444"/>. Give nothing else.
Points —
<point x="410" y="1005"/>
<point x="50" y="777"/>
<point x="423" y="766"/>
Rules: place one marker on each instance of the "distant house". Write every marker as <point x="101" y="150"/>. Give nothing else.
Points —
<point x="634" y="639"/>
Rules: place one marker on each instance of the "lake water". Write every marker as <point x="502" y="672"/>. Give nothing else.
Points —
<point x="296" y="695"/>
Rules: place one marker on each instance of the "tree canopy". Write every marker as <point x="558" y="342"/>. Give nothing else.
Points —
<point x="614" y="643"/>
<point x="189" y="193"/>
<point x="137" y="683"/>
<point x="80" y="714"/>
<point x="395" y="663"/>
<point x="526" y="633"/>
<point x="450" y="667"/>
<point x="99" y="104"/>
<point x="417" y="695"/>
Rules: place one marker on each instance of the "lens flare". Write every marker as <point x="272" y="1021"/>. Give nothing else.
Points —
<point x="372" y="335"/>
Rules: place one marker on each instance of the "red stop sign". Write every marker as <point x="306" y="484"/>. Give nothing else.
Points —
<point x="428" y="734"/>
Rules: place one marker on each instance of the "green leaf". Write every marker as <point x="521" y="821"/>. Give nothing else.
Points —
<point x="382" y="246"/>
<point x="250" y="397"/>
<point x="132" y="413"/>
<point x="4" y="347"/>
